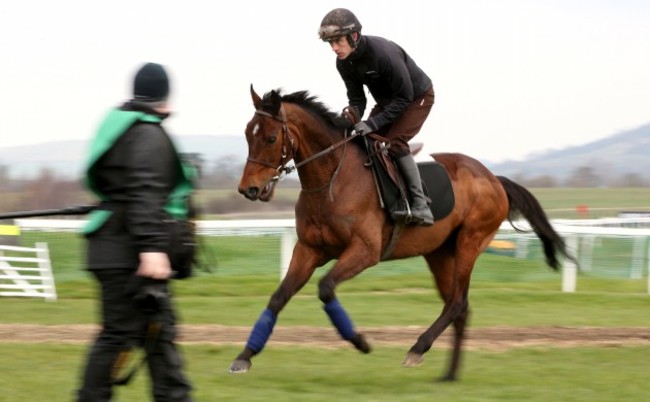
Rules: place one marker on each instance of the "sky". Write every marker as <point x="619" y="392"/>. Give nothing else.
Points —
<point x="513" y="78"/>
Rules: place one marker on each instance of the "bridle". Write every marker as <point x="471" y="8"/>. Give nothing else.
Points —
<point x="284" y="170"/>
<point x="286" y="139"/>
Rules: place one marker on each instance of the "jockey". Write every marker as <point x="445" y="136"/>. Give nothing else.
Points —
<point x="403" y="94"/>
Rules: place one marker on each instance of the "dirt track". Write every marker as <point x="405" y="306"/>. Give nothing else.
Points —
<point x="488" y="338"/>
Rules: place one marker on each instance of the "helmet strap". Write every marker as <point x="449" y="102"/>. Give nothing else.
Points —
<point x="352" y="39"/>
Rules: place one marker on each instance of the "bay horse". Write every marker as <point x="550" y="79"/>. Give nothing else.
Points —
<point x="339" y="217"/>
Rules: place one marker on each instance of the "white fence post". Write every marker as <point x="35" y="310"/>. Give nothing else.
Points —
<point x="569" y="268"/>
<point x="586" y="252"/>
<point x="636" y="265"/>
<point x="648" y="261"/>
<point x="43" y="253"/>
<point x="286" y="250"/>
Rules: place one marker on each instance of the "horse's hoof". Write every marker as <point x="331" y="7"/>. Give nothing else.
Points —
<point x="359" y="342"/>
<point x="412" y="359"/>
<point x="240" y="367"/>
<point x="447" y="378"/>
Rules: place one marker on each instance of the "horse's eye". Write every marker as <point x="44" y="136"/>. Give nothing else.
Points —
<point x="271" y="140"/>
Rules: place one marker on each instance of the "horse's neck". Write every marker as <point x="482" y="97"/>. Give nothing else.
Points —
<point x="313" y="137"/>
<point x="337" y="172"/>
<point x="313" y="171"/>
<point x="335" y="184"/>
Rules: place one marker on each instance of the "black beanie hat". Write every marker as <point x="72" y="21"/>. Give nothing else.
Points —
<point x="151" y="83"/>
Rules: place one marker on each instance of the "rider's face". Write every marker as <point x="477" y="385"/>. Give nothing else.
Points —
<point x="341" y="47"/>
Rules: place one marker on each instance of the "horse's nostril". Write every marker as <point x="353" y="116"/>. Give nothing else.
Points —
<point x="251" y="193"/>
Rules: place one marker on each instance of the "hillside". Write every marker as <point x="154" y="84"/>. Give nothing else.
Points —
<point x="66" y="158"/>
<point x="618" y="154"/>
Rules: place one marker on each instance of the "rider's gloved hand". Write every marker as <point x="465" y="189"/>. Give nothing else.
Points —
<point x="351" y="113"/>
<point x="362" y="128"/>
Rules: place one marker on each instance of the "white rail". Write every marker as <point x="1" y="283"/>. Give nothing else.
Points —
<point x="26" y="276"/>
<point x="574" y="231"/>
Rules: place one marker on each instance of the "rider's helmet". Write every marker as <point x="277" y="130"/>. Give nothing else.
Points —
<point x="338" y="23"/>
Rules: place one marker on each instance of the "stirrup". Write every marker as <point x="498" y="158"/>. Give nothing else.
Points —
<point x="420" y="221"/>
<point x="407" y="217"/>
<point x="422" y="217"/>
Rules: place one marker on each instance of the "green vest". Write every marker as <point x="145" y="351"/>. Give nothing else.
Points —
<point x="116" y="123"/>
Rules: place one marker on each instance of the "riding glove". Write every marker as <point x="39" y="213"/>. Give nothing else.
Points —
<point x="351" y="113"/>
<point x="363" y="128"/>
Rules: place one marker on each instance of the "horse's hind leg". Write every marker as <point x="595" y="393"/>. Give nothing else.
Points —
<point x="460" y="324"/>
<point x="452" y="279"/>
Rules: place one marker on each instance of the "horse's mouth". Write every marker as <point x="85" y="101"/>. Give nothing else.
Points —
<point x="255" y="193"/>
<point x="267" y="192"/>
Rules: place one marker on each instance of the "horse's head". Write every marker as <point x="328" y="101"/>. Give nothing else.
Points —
<point x="284" y="127"/>
<point x="269" y="147"/>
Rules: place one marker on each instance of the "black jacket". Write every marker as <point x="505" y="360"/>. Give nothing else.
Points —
<point x="135" y="177"/>
<point x="390" y="74"/>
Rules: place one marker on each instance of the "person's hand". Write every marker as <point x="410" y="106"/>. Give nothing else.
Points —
<point x="351" y="113"/>
<point x="154" y="265"/>
<point x="362" y="128"/>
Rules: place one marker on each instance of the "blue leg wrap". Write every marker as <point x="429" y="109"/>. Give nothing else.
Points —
<point x="340" y="319"/>
<point x="261" y="331"/>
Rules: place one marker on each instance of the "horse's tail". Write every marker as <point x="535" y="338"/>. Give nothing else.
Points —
<point x="523" y="202"/>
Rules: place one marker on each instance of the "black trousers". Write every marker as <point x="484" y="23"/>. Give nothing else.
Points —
<point x="124" y="325"/>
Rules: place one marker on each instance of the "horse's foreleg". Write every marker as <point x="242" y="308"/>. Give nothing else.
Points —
<point x="340" y="319"/>
<point x="349" y="265"/>
<point x="297" y="276"/>
<point x="256" y="341"/>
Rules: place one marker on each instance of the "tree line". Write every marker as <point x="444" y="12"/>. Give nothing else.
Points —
<point x="50" y="191"/>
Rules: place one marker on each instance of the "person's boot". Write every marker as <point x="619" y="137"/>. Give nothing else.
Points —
<point x="420" y="213"/>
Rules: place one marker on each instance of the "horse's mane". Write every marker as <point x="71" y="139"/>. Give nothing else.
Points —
<point x="310" y="103"/>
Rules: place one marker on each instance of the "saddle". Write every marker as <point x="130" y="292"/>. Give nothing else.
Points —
<point x="390" y="186"/>
<point x="388" y="180"/>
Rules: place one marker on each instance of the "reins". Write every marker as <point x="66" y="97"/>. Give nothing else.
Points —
<point x="287" y="138"/>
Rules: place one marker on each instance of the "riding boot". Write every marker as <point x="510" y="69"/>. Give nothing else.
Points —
<point x="420" y="213"/>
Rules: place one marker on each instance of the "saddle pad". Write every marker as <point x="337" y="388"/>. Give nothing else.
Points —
<point x="437" y="185"/>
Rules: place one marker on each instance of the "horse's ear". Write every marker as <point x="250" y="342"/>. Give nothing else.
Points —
<point x="275" y="103"/>
<point x="257" y="101"/>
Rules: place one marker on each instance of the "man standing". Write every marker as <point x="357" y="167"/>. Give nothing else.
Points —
<point x="402" y="91"/>
<point x="135" y="171"/>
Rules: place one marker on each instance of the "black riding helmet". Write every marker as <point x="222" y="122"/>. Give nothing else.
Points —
<point x="337" y="23"/>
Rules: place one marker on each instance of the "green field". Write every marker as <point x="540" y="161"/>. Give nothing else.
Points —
<point x="49" y="373"/>
<point x="601" y="202"/>
<point x="559" y="202"/>
<point x="299" y="373"/>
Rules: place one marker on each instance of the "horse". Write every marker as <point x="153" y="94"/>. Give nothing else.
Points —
<point x="339" y="217"/>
